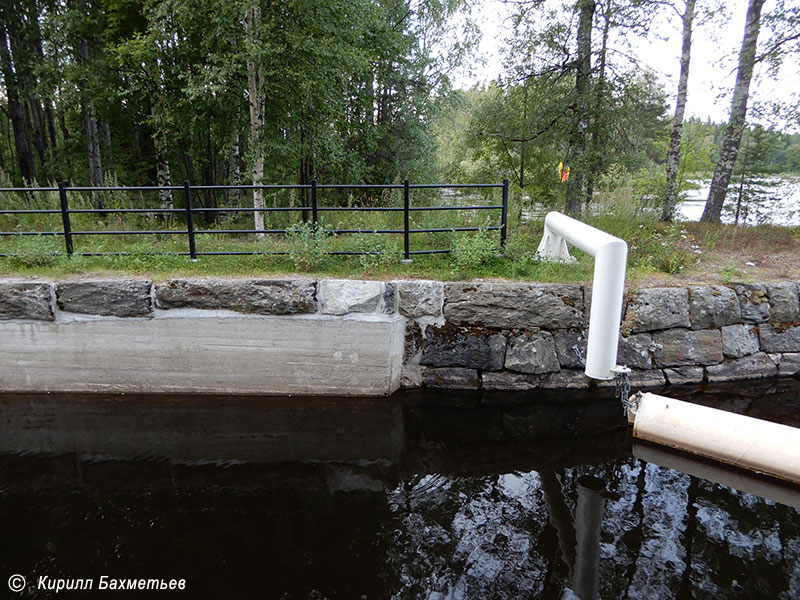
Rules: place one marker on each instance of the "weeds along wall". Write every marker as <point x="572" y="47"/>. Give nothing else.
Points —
<point x="349" y="337"/>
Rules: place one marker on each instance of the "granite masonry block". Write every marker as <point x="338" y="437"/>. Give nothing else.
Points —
<point x="570" y="348"/>
<point x="473" y="348"/>
<point x="110" y="297"/>
<point x="413" y="341"/>
<point x="343" y="296"/>
<point x="450" y="378"/>
<point x="755" y="366"/>
<point x="659" y="308"/>
<point x="783" y="302"/>
<point x="389" y="298"/>
<point x="684" y="375"/>
<point x="713" y="306"/>
<point x="739" y="340"/>
<point x="635" y="351"/>
<point x="788" y="364"/>
<point x="25" y="300"/>
<point x="514" y="305"/>
<point x="772" y="340"/>
<point x="259" y="296"/>
<point x="679" y="347"/>
<point x="560" y="380"/>
<point x="532" y="352"/>
<point x="652" y="378"/>
<point x="754" y="302"/>
<point x="420" y="298"/>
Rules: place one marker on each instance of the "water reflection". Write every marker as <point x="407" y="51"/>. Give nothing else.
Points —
<point x="420" y="496"/>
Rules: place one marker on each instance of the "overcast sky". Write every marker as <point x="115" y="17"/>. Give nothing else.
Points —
<point x="713" y="67"/>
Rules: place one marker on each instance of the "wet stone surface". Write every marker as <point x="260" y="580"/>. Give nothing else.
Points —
<point x="473" y="348"/>
<point x="112" y="297"/>
<point x="25" y="300"/>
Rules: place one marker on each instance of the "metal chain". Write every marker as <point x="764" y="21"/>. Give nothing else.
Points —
<point x="579" y="355"/>
<point x="622" y="385"/>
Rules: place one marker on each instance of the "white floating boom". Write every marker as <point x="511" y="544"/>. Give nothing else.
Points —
<point x="610" y="258"/>
<point x="761" y="446"/>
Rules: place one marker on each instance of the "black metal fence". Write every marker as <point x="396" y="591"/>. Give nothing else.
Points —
<point x="313" y="210"/>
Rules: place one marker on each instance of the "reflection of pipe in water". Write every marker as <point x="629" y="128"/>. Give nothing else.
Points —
<point x="560" y="517"/>
<point x="753" y="444"/>
<point x="588" y="523"/>
<point x="772" y="489"/>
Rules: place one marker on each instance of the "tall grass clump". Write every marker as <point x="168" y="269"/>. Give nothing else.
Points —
<point x="307" y="245"/>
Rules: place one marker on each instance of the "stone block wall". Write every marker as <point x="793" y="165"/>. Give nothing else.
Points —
<point x="521" y="336"/>
<point x="364" y="337"/>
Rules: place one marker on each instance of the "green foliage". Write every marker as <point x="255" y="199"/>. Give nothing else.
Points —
<point x="380" y="252"/>
<point x="307" y="245"/>
<point x="732" y="274"/>
<point x="31" y="251"/>
<point x="474" y="251"/>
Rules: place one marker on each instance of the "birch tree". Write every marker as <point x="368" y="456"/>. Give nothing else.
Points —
<point x="256" y="101"/>
<point x="673" y="154"/>
<point x="736" y="121"/>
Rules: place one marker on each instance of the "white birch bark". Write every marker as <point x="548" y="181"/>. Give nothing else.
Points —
<point x="736" y="121"/>
<point x="162" y="166"/>
<point x="671" y="195"/>
<point x="255" y="92"/>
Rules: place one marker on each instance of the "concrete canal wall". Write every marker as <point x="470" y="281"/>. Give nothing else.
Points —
<point x="340" y="337"/>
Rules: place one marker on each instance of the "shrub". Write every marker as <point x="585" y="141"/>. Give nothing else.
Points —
<point x="34" y="251"/>
<point x="470" y="252"/>
<point x="307" y="245"/>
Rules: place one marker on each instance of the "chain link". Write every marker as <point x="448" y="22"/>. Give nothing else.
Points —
<point x="622" y="385"/>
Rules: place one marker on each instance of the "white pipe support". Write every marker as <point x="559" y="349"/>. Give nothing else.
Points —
<point x="608" y="285"/>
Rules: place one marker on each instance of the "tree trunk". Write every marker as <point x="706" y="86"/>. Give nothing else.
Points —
<point x="235" y="173"/>
<point x="673" y="155"/>
<point x="16" y="111"/>
<point x="599" y="98"/>
<point x="306" y="175"/>
<point x="162" y="164"/>
<point x="108" y="151"/>
<point x="37" y="126"/>
<point x="90" y="132"/>
<point x="736" y="121"/>
<point x="92" y="145"/>
<point x="257" y="101"/>
<point x="577" y="146"/>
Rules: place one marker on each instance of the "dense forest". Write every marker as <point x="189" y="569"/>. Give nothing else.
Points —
<point x="145" y="92"/>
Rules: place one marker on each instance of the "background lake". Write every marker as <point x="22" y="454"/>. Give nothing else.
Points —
<point x="779" y="203"/>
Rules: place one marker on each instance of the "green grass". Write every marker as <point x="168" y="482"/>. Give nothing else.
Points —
<point x="655" y="249"/>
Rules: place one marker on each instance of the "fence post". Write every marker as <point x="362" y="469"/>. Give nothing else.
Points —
<point x="187" y="199"/>
<point x="406" y="211"/>
<point x="504" y="215"/>
<point x="62" y="196"/>
<point x="314" y="201"/>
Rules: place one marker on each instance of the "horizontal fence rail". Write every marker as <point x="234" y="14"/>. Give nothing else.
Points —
<point x="310" y="212"/>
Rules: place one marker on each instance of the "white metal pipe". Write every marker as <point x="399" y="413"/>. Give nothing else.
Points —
<point x="754" y="444"/>
<point x="608" y="285"/>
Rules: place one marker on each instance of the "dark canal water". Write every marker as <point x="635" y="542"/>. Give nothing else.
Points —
<point x="432" y="496"/>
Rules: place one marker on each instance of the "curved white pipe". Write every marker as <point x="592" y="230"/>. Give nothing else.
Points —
<point x="608" y="285"/>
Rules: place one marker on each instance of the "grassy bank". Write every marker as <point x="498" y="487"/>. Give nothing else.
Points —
<point x="658" y="252"/>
